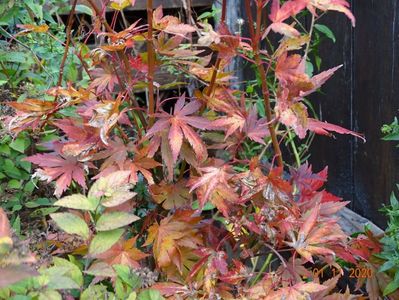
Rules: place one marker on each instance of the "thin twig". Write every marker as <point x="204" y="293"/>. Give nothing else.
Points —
<point x="263" y="76"/>
<point x="151" y="64"/>
<point x="68" y="41"/>
<point x="212" y="83"/>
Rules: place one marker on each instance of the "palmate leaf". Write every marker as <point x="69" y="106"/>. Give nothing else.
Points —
<point x="315" y="237"/>
<point x="171" y="195"/>
<point x="123" y="253"/>
<point x="116" y="159"/>
<point x="177" y="127"/>
<point x="61" y="168"/>
<point x="214" y="186"/>
<point x="172" y="237"/>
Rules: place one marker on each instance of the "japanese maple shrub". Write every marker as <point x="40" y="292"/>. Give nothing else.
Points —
<point x="166" y="184"/>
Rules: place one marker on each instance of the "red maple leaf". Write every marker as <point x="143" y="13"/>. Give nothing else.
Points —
<point x="178" y="127"/>
<point x="63" y="169"/>
<point x="214" y="186"/>
<point x="279" y="14"/>
<point x="124" y="253"/>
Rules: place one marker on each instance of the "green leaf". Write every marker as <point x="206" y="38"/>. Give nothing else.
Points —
<point x="50" y="295"/>
<point x="14" y="184"/>
<point x="57" y="278"/>
<point x="71" y="224"/>
<point x="326" y="31"/>
<point x="38" y="202"/>
<point x="11" y="170"/>
<point x="394" y="202"/>
<point x="36" y="8"/>
<point x="20" y="144"/>
<point x="207" y="206"/>
<point x="12" y="57"/>
<point x="96" y="292"/>
<point x="73" y="271"/>
<point x="78" y="201"/>
<point x="80" y="8"/>
<point x="150" y="295"/>
<point x="387" y="265"/>
<point x="113" y="220"/>
<point x="104" y="240"/>
<point x="42" y="212"/>
<point x="5" y="150"/>
<point x="391" y="287"/>
<point x="309" y="69"/>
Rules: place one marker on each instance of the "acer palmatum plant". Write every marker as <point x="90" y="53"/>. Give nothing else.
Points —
<point x="195" y="187"/>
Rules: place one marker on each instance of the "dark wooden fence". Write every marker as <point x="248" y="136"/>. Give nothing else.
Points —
<point x="363" y="96"/>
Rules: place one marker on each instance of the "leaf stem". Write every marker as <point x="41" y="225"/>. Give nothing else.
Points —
<point x="67" y="43"/>
<point x="256" y="35"/>
<point x="294" y="148"/>
<point x="212" y="83"/>
<point x="151" y="64"/>
<point x="262" y="270"/>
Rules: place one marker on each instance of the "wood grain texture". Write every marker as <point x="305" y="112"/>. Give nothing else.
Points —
<point x="362" y="96"/>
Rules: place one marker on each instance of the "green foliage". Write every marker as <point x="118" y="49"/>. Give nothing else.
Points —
<point x="16" y="185"/>
<point x="391" y="131"/>
<point x="35" y="57"/>
<point x="390" y="241"/>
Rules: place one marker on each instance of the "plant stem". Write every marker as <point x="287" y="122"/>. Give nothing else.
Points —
<point x="212" y="83"/>
<point x="67" y="43"/>
<point x="294" y="148"/>
<point x="262" y="270"/>
<point x="98" y="13"/>
<point x="310" y="37"/>
<point x="263" y="76"/>
<point x="151" y="64"/>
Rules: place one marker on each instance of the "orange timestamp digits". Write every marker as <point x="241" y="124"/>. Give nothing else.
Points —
<point x="358" y="272"/>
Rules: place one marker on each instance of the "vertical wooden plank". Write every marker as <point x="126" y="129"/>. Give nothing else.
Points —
<point x="376" y="101"/>
<point x="334" y="105"/>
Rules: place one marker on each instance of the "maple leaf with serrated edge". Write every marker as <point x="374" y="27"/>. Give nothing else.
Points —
<point x="123" y="253"/>
<point x="63" y="169"/>
<point x="29" y="114"/>
<point x="171" y="195"/>
<point x="314" y="238"/>
<point x="170" y="24"/>
<point x="278" y="14"/>
<point x="82" y="138"/>
<point x="337" y="5"/>
<point x="214" y="186"/>
<point x="178" y="126"/>
<point x="172" y="236"/>
<point x="247" y="123"/>
<point x="117" y="158"/>
<point x="105" y="79"/>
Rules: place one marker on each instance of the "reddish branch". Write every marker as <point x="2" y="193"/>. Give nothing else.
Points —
<point x="256" y="36"/>
<point x="99" y="15"/>
<point x="151" y="64"/>
<point x="67" y="43"/>
<point x="212" y="83"/>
